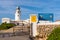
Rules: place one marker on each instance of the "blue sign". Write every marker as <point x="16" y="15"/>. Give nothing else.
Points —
<point x="45" y="16"/>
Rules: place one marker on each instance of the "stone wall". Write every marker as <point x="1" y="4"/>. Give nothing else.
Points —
<point x="45" y="30"/>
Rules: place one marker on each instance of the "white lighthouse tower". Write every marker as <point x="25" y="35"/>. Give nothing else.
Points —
<point x="17" y="14"/>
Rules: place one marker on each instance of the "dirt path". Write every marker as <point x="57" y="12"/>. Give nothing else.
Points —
<point x="25" y="37"/>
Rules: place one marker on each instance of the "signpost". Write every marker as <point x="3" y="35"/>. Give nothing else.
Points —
<point x="33" y="21"/>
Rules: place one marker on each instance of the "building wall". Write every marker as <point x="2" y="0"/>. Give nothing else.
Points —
<point x="7" y="20"/>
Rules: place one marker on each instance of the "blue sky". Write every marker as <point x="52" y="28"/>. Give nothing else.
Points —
<point x="8" y="8"/>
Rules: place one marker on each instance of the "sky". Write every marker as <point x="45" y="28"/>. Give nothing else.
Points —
<point x="27" y="7"/>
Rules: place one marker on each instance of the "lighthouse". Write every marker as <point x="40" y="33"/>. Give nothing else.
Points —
<point x="17" y="14"/>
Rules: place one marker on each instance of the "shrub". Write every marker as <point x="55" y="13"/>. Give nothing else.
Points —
<point x="6" y="26"/>
<point x="55" y="35"/>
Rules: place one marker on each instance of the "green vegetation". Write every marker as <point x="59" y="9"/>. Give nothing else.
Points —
<point x="55" y="35"/>
<point x="4" y="26"/>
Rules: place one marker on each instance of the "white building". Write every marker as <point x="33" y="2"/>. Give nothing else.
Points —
<point x="48" y="23"/>
<point x="17" y="17"/>
<point x="17" y="14"/>
<point x="7" y="20"/>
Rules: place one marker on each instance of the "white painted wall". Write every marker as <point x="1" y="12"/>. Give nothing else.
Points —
<point x="7" y="20"/>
